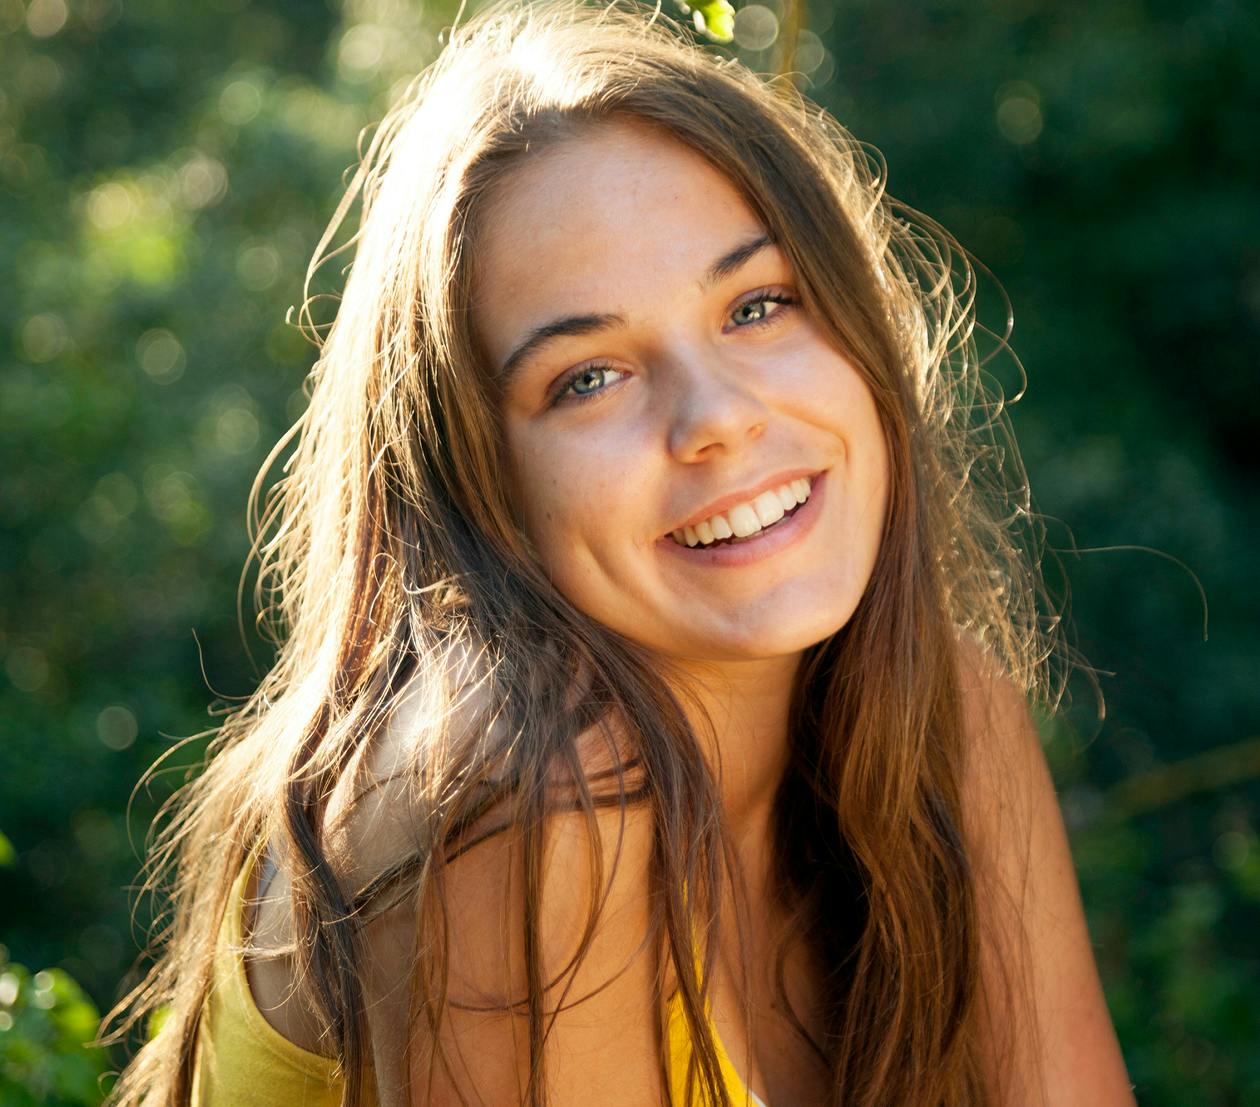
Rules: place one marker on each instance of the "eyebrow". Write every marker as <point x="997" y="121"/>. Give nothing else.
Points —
<point x="574" y="325"/>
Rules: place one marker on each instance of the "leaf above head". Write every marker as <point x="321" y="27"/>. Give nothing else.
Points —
<point x="714" y="18"/>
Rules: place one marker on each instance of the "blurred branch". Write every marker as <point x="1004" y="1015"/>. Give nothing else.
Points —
<point x="789" y="34"/>
<point x="1222" y="767"/>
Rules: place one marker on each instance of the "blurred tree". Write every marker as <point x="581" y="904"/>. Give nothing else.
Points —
<point x="45" y="1021"/>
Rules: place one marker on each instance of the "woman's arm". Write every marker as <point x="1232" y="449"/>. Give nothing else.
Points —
<point x="1057" y="1045"/>
<point x="603" y="1049"/>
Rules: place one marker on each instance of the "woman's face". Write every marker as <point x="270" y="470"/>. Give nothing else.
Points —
<point x="664" y="388"/>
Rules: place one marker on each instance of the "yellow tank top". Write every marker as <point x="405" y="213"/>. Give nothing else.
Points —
<point x="243" y="1061"/>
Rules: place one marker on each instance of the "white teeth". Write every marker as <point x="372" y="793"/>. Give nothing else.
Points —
<point x="768" y="508"/>
<point x="746" y="519"/>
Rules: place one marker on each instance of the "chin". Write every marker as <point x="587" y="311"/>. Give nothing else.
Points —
<point x="776" y="636"/>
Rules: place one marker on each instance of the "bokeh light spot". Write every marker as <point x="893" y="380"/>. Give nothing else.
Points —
<point x="24" y="165"/>
<point x="121" y="492"/>
<point x="12" y="17"/>
<point x="161" y="355"/>
<point x="756" y="27"/>
<point x="360" y="52"/>
<point x="44" y="336"/>
<point x="99" y="14"/>
<point x="43" y="995"/>
<point x="258" y="267"/>
<point x="1231" y="849"/>
<point x="1019" y="112"/>
<point x="201" y="182"/>
<point x="173" y="498"/>
<point x="235" y="430"/>
<point x="45" y="18"/>
<point x="110" y="206"/>
<point x="39" y="77"/>
<point x="810" y="52"/>
<point x="295" y="405"/>
<point x="27" y="668"/>
<point x="240" y="102"/>
<point x="116" y="727"/>
<point x="100" y="515"/>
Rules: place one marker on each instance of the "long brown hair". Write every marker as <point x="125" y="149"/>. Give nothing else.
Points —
<point x="388" y="551"/>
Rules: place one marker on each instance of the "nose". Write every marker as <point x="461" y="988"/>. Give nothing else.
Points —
<point x="713" y="411"/>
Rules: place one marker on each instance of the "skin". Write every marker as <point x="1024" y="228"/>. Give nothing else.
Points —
<point x="694" y="406"/>
<point x="686" y="403"/>
<point x="706" y="390"/>
<point x="701" y="398"/>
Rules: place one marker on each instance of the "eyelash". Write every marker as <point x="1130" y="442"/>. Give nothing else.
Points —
<point x="563" y="396"/>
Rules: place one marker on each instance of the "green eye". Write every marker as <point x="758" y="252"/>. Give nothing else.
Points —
<point x="591" y="380"/>
<point x="754" y="310"/>
<point x="586" y="383"/>
<point x="749" y="313"/>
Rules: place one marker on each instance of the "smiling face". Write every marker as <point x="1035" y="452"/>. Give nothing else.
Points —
<point x="660" y="374"/>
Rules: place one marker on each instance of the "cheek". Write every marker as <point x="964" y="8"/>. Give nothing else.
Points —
<point x="876" y="479"/>
<point x="537" y="499"/>
<point x="572" y="471"/>
<point x="565" y="500"/>
<point x="845" y="402"/>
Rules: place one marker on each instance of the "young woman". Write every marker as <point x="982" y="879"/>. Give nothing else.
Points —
<point x="648" y="724"/>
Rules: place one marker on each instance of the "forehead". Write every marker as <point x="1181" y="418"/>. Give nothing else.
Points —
<point x="611" y="217"/>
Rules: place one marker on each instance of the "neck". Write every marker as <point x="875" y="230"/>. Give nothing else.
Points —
<point x="748" y="704"/>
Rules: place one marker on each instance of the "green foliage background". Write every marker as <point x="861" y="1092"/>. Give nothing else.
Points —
<point x="165" y="170"/>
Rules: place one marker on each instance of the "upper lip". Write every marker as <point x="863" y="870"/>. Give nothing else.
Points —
<point x="744" y="495"/>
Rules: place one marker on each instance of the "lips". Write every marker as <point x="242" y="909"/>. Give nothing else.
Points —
<point x="788" y="531"/>
<point x="744" y="520"/>
<point x="745" y="495"/>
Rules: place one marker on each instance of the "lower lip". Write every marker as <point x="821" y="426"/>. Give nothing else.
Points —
<point x="777" y="538"/>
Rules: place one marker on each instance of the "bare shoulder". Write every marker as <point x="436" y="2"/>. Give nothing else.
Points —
<point x="995" y="711"/>
<point x="1005" y="778"/>
<point x="1038" y="968"/>
<point x="368" y="827"/>
<point x="586" y="899"/>
<point x="372" y="832"/>
<point x="577" y="895"/>
<point x="590" y="911"/>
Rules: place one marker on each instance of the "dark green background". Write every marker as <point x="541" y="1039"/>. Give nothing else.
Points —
<point x="165" y="170"/>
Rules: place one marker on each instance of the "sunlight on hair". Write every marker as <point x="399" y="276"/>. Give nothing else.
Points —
<point x="413" y="615"/>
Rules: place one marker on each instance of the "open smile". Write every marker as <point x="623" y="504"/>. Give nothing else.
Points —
<point x="753" y="530"/>
<point x="745" y="517"/>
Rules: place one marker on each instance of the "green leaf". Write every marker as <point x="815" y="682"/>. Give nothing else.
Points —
<point x="715" y="19"/>
<point x="7" y="853"/>
<point x="157" y="1018"/>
